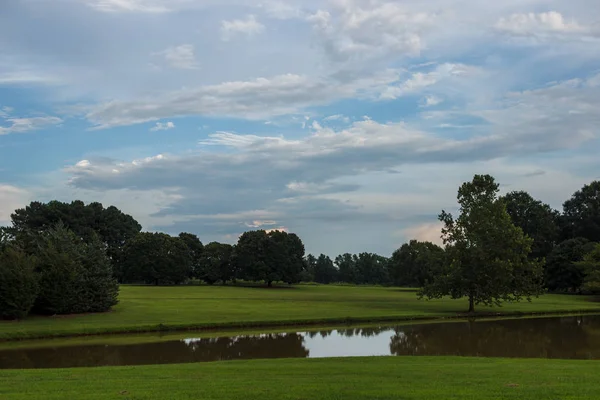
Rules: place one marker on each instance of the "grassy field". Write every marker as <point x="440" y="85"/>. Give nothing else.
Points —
<point x="414" y="378"/>
<point x="147" y="308"/>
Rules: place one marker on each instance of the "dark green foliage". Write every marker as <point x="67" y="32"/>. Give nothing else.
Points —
<point x="270" y="257"/>
<point x="415" y="263"/>
<point x="156" y="258"/>
<point x="75" y="276"/>
<point x="216" y="263"/>
<point x="591" y="267"/>
<point x="581" y="213"/>
<point x="18" y="283"/>
<point x="346" y="264"/>
<point x="308" y="272"/>
<point x="196" y="249"/>
<point x="563" y="270"/>
<point x="537" y="220"/>
<point x="325" y="271"/>
<point x="371" y="269"/>
<point x="488" y="256"/>
<point x="112" y="226"/>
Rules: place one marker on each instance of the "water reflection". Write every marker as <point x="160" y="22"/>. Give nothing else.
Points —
<point x="575" y="337"/>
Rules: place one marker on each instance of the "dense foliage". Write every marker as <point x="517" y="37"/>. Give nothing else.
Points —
<point x="415" y="263"/>
<point x="488" y="256"/>
<point x="18" y="283"/>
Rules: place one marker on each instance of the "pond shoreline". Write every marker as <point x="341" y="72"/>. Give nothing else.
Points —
<point x="282" y="324"/>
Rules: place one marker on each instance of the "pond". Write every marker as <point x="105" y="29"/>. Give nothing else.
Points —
<point x="572" y="337"/>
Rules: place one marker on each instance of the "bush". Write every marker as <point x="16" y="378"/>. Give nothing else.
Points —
<point x="75" y="277"/>
<point x="18" y="284"/>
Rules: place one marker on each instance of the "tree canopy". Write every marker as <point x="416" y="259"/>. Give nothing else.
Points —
<point x="582" y="213"/>
<point x="415" y="263"/>
<point x="488" y="256"/>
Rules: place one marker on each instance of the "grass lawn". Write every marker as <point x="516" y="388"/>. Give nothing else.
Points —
<point x="148" y="308"/>
<point x="414" y="378"/>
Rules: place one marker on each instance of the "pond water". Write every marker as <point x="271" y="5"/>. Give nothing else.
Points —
<point x="572" y="337"/>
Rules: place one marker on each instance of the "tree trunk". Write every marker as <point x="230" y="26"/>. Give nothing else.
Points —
<point x="471" y="304"/>
<point x="270" y="283"/>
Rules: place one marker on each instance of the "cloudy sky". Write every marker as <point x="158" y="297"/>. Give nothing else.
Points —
<point x="349" y="122"/>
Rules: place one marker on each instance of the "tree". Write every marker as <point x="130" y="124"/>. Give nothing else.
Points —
<point x="308" y="272"/>
<point x="270" y="257"/>
<point x="156" y="258"/>
<point x="325" y="271"/>
<point x="196" y="249"/>
<point x="74" y="276"/>
<point x="488" y="255"/>
<point x="346" y="264"/>
<point x="564" y="272"/>
<point x="581" y="213"/>
<point x="371" y="269"/>
<point x="216" y="263"/>
<point x="537" y="220"/>
<point x="113" y="227"/>
<point x="18" y="283"/>
<point x="415" y="263"/>
<point x="591" y="267"/>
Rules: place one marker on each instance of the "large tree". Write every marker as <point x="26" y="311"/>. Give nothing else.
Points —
<point x="415" y="263"/>
<point x="196" y="250"/>
<point x="488" y="256"/>
<point x="113" y="227"/>
<point x="537" y="220"/>
<point x="581" y="213"/>
<point x="564" y="272"/>
<point x="216" y="263"/>
<point x="74" y="276"/>
<point x="371" y="269"/>
<point x="18" y="283"/>
<point x="346" y="264"/>
<point x="156" y="258"/>
<point x="270" y="256"/>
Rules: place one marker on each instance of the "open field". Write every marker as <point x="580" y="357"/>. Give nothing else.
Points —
<point x="413" y="378"/>
<point x="148" y="308"/>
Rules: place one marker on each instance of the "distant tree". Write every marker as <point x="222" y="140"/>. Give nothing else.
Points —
<point x="156" y="258"/>
<point x="18" y="283"/>
<point x="488" y="255"/>
<point x="537" y="220"/>
<point x="415" y="263"/>
<point x="564" y="272"/>
<point x="591" y="267"/>
<point x="325" y="271"/>
<point x="112" y="226"/>
<point x="308" y="272"/>
<point x="371" y="269"/>
<point x="270" y="257"/>
<point x="74" y="276"/>
<point x="195" y="248"/>
<point x="581" y="213"/>
<point x="346" y="264"/>
<point x="216" y="263"/>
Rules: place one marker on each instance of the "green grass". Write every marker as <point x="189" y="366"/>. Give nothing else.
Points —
<point x="147" y="308"/>
<point x="407" y="378"/>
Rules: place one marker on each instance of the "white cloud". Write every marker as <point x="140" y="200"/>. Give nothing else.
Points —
<point x="421" y="80"/>
<point x="429" y="232"/>
<point x="543" y="24"/>
<point x="260" y="98"/>
<point x="21" y="125"/>
<point x="162" y="126"/>
<point x="247" y="27"/>
<point x="337" y="117"/>
<point x="181" y="56"/>
<point x="430" y="101"/>
<point x="146" y="6"/>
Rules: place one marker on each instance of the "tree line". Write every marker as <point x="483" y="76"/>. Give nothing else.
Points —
<point x="60" y="258"/>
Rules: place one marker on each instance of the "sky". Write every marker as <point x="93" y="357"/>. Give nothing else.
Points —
<point x="349" y="122"/>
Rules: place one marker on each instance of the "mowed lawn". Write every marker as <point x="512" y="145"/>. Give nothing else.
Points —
<point x="152" y="308"/>
<point x="407" y="378"/>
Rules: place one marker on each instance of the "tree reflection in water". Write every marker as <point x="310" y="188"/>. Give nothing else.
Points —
<point x="567" y="337"/>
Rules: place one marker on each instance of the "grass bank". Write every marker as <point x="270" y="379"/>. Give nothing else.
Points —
<point x="148" y="308"/>
<point x="408" y="378"/>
